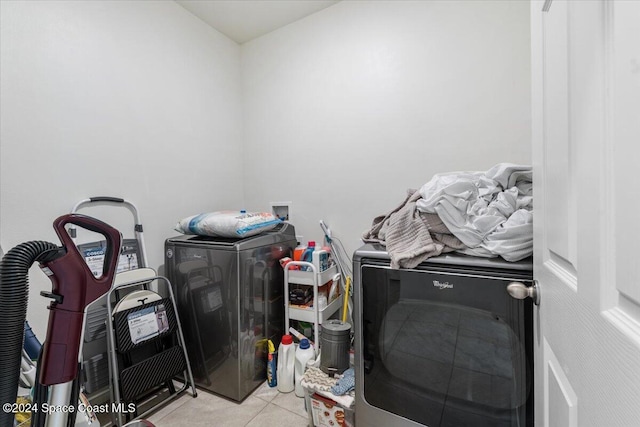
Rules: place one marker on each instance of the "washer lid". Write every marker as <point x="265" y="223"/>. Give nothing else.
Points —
<point x="379" y="252"/>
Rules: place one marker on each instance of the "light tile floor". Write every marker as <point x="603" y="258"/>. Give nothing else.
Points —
<point x="265" y="407"/>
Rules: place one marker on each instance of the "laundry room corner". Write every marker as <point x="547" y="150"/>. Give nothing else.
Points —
<point x="131" y="99"/>
<point x="346" y="109"/>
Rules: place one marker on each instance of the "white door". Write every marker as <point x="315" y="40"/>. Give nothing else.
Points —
<point x="586" y="158"/>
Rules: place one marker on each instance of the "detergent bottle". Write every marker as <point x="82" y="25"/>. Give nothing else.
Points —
<point x="271" y="365"/>
<point x="304" y="353"/>
<point x="286" y="364"/>
<point x="297" y="255"/>
<point x="307" y="255"/>
<point x="298" y="251"/>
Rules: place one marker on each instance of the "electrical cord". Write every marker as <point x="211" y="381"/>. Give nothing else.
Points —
<point x="344" y="257"/>
<point x="344" y="262"/>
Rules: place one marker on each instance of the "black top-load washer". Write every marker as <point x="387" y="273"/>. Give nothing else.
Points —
<point x="229" y="296"/>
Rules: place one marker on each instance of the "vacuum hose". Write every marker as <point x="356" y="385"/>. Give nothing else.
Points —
<point x="14" y="294"/>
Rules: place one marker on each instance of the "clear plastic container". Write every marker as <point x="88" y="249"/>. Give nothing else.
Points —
<point x="320" y="260"/>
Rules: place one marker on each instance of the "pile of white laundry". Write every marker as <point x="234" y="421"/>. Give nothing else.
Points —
<point x="489" y="214"/>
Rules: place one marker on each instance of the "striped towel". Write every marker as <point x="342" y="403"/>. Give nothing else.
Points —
<point x="410" y="235"/>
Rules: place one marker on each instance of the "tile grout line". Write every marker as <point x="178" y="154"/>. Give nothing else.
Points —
<point x="173" y="410"/>
<point x="259" y="412"/>
<point x="306" y="419"/>
<point x="287" y="409"/>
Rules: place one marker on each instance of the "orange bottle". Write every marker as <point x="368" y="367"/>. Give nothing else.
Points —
<point x="297" y="253"/>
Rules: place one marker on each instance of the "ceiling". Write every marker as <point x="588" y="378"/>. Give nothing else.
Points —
<point x="244" y="20"/>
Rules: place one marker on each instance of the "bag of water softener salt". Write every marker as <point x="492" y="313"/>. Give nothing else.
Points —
<point x="234" y="224"/>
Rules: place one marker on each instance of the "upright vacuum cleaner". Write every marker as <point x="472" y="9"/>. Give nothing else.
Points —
<point x="73" y="288"/>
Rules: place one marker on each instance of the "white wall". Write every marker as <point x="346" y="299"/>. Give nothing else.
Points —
<point x="139" y="100"/>
<point x="349" y="107"/>
<point x="339" y="113"/>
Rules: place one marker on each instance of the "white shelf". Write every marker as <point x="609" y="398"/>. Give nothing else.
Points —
<point x="308" y="314"/>
<point x="310" y="277"/>
<point x="300" y="277"/>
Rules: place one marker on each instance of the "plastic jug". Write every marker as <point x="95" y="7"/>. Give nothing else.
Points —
<point x="304" y="353"/>
<point x="286" y="365"/>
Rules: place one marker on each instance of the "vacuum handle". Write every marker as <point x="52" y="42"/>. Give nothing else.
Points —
<point x="111" y="235"/>
<point x="73" y="288"/>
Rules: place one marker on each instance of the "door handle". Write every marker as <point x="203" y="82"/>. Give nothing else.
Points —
<point x="519" y="290"/>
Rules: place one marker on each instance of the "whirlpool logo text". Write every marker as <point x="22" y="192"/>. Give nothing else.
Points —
<point x="440" y="285"/>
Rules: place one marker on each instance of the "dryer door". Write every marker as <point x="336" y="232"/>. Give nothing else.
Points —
<point x="443" y="348"/>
